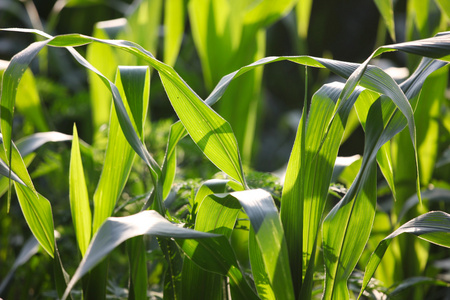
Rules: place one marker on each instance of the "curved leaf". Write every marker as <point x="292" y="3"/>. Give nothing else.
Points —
<point x="116" y="230"/>
<point x="433" y="227"/>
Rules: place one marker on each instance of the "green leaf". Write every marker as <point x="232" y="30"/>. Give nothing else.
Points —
<point x="216" y="214"/>
<point x="209" y="131"/>
<point x="413" y="281"/>
<point x="444" y="6"/>
<point x="28" y="102"/>
<point x="79" y="198"/>
<point x="177" y="132"/>
<point x="30" y="248"/>
<point x="11" y="79"/>
<point x="38" y="215"/>
<point x="106" y="61"/>
<point x="303" y="11"/>
<point x="32" y="142"/>
<point x="309" y="174"/>
<point x="347" y="227"/>
<point x="260" y="277"/>
<point x="385" y="7"/>
<point x="265" y="220"/>
<point x="217" y="256"/>
<point x="116" y="230"/>
<point x="138" y="268"/>
<point x="266" y="12"/>
<point x="174" y="29"/>
<point x="433" y="227"/>
<point x="133" y="84"/>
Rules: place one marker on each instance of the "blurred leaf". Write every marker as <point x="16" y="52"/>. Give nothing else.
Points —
<point x="432" y="195"/>
<point x="105" y="59"/>
<point x="29" y="249"/>
<point x="138" y="268"/>
<point x="385" y="7"/>
<point x="433" y="227"/>
<point x="266" y="12"/>
<point x="28" y="102"/>
<point x="173" y="29"/>
<point x="79" y="198"/>
<point x="303" y="11"/>
<point x="413" y="281"/>
<point x="427" y="116"/>
<point x="32" y="142"/>
<point x="444" y="6"/>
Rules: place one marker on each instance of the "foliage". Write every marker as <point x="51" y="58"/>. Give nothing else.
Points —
<point x="157" y="214"/>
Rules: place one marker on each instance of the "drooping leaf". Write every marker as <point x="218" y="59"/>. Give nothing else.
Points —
<point x="133" y="84"/>
<point x="213" y="134"/>
<point x="433" y="227"/>
<point x="116" y="230"/>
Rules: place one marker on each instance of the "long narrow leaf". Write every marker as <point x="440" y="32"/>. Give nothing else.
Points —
<point x="79" y="198"/>
<point x="117" y="230"/>
<point x="433" y="227"/>
<point x="133" y="84"/>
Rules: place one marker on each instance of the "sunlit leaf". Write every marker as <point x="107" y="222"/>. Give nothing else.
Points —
<point x="433" y="227"/>
<point x="79" y="198"/>
<point x="115" y="230"/>
<point x="133" y="84"/>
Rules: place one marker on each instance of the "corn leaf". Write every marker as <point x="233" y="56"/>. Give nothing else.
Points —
<point x="133" y="84"/>
<point x="303" y="197"/>
<point x="116" y="230"/>
<point x="28" y="102"/>
<point x="216" y="214"/>
<point x="212" y="134"/>
<point x="106" y="61"/>
<point x="138" y="268"/>
<point x="385" y="7"/>
<point x="32" y="142"/>
<point x="266" y="223"/>
<point x="79" y="198"/>
<point x="193" y="275"/>
<point x="30" y="248"/>
<point x="433" y="227"/>
<point x="260" y="277"/>
<point x="347" y="227"/>
<point x="38" y="215"/>
<point x="174" y="29"/>
<point x="177" y="132"/>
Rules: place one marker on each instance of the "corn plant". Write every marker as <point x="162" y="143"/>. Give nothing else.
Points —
<point x="298" y="248"/>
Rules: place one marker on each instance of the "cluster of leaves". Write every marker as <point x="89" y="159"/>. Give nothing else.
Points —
<point x="239" y="234"/>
